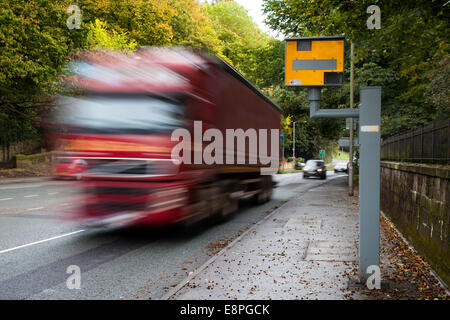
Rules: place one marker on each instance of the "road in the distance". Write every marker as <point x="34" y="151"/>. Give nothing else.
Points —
<point x="37" y="246"/>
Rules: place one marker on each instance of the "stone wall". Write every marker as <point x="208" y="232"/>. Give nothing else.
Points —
<point x="20" y="147"/>
<point x="40" y="163"/>
<point x="416" y="197"/>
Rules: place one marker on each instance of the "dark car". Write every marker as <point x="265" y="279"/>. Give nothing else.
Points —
<point x="315" y="168"/>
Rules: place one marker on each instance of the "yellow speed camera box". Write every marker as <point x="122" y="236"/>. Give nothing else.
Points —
<point x="314" y="61"/>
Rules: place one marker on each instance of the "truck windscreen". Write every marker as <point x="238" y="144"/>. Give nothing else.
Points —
<point x="118" y="114"/>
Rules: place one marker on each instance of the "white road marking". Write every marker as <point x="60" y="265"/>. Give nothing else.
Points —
<point x="41" y="241"/>
<point x="31" y="196"/>
<point x="37" y="208"/>
<point x="52" y="193"/>
<point x="21" y="187"/>
<point x="4" y="199"/>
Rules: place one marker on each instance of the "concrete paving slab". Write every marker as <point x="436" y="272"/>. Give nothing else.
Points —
<point x="326" y="250"/>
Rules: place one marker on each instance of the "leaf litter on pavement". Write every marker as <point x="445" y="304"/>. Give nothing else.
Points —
<point x="407" y="274"/>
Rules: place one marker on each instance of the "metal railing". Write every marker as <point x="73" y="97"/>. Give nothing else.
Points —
<point x="428" y="144"/>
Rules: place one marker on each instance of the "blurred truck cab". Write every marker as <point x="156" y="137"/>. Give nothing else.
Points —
<point x="120" y="119"/>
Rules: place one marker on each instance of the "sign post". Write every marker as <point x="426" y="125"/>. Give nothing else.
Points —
<point x="369" y="179"/>
<point x="282" y="149"/>
<point x="350" y="167"/>
<point x="293" y="142"/>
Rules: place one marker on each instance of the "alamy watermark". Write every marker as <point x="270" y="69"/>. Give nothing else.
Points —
<point x="74" y="280"/>
<point x="374" y="280"/>
<point x="74" y="21"/>
<point x="374" y="21"/>
<point x="223" y="151"/>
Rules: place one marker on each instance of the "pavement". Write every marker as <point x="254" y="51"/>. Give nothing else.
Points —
<point x="308" y="249"/>
<point x="305" y="249"/>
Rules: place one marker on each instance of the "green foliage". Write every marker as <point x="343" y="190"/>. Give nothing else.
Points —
<point x="99" y="37"/>
<point x="34" y="44"/>
<point x="438" y="89"/>
<point x="240" y="39"/>
<point x="192" y="27"/>
<point x="148" y="22"/>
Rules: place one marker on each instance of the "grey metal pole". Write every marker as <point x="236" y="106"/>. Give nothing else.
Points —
<point x="350" y="167"/>
<point x="293" y="143"/>
<point x="314" y="95"/>
<point x="369" y="180"/>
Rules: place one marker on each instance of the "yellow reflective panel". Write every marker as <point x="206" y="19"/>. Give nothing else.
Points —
<point x="314" y="61"/>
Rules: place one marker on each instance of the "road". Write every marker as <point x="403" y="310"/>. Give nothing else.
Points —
<point x="37" y="245"/>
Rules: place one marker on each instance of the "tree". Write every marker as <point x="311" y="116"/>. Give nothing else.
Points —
<point x="439" y="87"/>
<point x="146" y="21"/>
<point x="192" y="27"/>
<point x="34" y="44"/>
<point x="240" y="38"/>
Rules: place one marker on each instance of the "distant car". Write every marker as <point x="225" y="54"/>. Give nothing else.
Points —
<point x="299" y="165"/>
<point x="341" y="167"/>
<point x="69" y="168"/>
<point x="315" y="168"/>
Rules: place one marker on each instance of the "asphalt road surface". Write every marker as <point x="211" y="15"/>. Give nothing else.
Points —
<point x="37" y="245"/>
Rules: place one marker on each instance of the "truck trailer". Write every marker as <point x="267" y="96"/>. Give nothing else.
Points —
<point x="168" y="135"/>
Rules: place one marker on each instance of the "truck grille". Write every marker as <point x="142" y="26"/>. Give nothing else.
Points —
<point x="112" y="167"/>
<point x="113" y="207"/>
<point x="115" y="199"/>
<point x="116" y="190"/>
<point x="119" y="167"/>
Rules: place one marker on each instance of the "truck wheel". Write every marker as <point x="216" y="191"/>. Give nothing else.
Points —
<point x="230" y="204"/>
<point x="229" y="209"/>
<point x="269" y="185"/>
<point x="205" y="202"/>
<point x="266" y="187"/>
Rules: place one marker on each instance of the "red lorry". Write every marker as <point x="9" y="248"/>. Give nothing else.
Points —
<point x="120" y="118"/>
